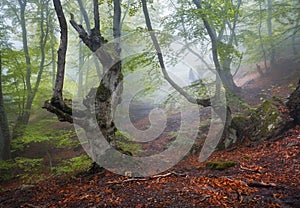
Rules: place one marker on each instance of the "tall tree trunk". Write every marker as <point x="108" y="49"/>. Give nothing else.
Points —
<point x="4" y="128"/>
<point x="270" y="34"/>
<point x="227" y="80"/>
<point x="294" y="37"/>
<point x="53" y="66"/>
<point x="110" y="89"/>
<point x="23" y="119"/>
<point x="224" y="73"/>
<point x="80" y="70"/>
<point x="260" y="36"/>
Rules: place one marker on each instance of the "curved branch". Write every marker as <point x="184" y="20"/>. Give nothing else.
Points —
<point x="204" y="102"/>
<point x="61" y="53"/>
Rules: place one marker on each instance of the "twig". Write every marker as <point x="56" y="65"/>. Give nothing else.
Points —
<point x="204" y="198"/>
<point x="260" y="184"/>
<point x="30" y="205"/>
<point x="256" y="170"/>
<point x="148" y="178"/>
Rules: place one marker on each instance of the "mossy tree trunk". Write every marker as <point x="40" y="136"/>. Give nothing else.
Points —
<point x="110" y="88"/>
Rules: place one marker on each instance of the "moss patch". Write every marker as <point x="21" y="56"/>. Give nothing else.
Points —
<point x="103" y="93"/>
<point x="127" y="144"/>
<point x="219" y="165"/>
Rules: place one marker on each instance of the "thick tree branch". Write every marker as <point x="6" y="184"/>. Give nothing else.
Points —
<point x="117" y="19"/>
<point x="96" y="17"/>
<point x="61" y="54"/>
<point x="58" y="111"/>
<point x="95" y="40"/>
<point x="57" y="104"/>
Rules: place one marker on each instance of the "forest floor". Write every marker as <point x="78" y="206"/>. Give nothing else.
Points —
<point x="264" y="174"/>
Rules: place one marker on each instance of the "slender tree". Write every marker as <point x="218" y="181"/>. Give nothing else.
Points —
<point x="203" y="102"/>
<point x="4" y="128"/>
<point x="262" y="46"/>
<point x="270" y="33"/>
<point x="223" y="71"/>
<point x="32" y="79"/>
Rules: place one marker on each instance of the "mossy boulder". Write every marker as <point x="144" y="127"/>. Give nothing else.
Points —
<point x="268" y="120"/>
<point x="293" y="104"/>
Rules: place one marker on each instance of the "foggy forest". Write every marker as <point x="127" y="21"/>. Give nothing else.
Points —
<point x="136" y="103"/>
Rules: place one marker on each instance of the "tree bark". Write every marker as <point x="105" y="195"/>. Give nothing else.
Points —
<point x="270" y="34"/>
<point x="23" y="118"/>
<point x="109" y="91"/>
<point x="4" y="128"/>
<point x="260" y="37"/>
<point x="88" y="28"/>
<point x="57" y="97"/>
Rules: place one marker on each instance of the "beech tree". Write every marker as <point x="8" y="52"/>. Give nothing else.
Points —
<point x="4" y="128"/>
<point x="34" y="56"/>
<point x="212" y="23"/>
<point x="109" y="90"/>
<point x="105" y="98"/>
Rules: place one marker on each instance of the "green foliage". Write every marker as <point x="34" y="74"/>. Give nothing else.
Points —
<point x="6" y="168"/>
<point x="25" y="167"/>
<point x="228" y="52"/>
<point x="76" y="164"/>
<point x="28" y="164"/>
<point x="128" y="144"/>
<point x="218" y="12"/>
<point x="41" y="132"/>
<point x="219" y="165"/>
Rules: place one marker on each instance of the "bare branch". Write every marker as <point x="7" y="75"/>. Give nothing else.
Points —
<point x="204" y="102"/>
<point x="93" y="41"/>
<point x="59" y="112"/>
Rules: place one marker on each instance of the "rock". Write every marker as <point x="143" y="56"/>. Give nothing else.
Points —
<point x="267" y="120"/>
<point x="270" y="119"/>
<point x="25" y="187"/>
<point x="293" y="104"/>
